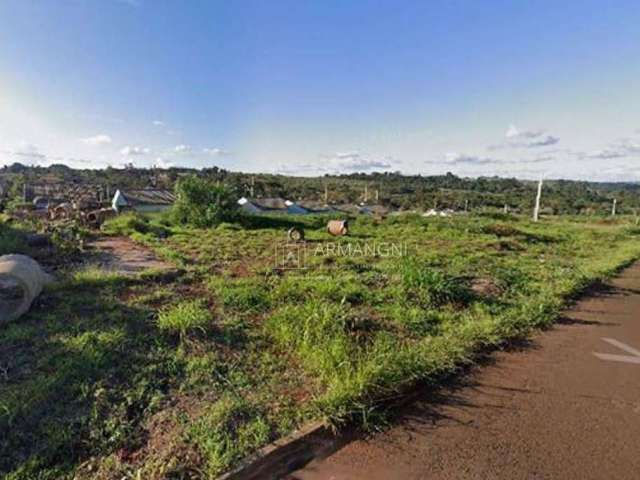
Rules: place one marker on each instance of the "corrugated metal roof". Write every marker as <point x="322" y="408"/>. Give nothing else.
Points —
<point x="270" y="203"/>
<point x="315" y="206"/>
<point x="149" y="196"/>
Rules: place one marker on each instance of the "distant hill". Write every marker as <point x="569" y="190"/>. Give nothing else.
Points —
<point x="391" y="188"/>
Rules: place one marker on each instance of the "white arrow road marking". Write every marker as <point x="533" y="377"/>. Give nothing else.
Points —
<point x="633" y="358"/>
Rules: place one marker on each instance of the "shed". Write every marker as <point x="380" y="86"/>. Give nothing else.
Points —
<point x="146" y="200"/>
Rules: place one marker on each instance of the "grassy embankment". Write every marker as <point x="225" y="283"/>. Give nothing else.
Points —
<point x="111" y="377"/>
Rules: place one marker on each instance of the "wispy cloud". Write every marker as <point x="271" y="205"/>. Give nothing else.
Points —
<point x="338" y="163"/>
<point x="28" y="151"/>
<point x="158" y="123"/>
<point x="130" y="151"/>
<point x="623" y="148"/>
<point x="162" y="163"/>
<point x="517" y="138"/>
<point x="182" y="149"/>
<point x="31" y="153"/>
<point x="97" y="140"/>
<point x="215" y="152"/>
<point x="356" y="162"/>
<point x="454" y="158"/>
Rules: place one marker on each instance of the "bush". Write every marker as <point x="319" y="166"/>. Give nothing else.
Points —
<point x="129" y="223"/>
<point x="203" y="203"/>
<point x="184" y="317"/>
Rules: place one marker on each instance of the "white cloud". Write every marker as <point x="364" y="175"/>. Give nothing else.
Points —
<point x="515" y="132"/>
<point x="26" y="151"/>
<point x="517" y="138"/>
<point x="623" y="148"/>
<point x="215" y="152"/>
<point x="97" y="140"/>
<point x="606" y="154"/>
<point x="130" y="151"/>
<point x="162" y="163"/>
<point x="182" y="149"/>
<point x="158" y="123"/>
<point x="454" y="158"/>
<point x="338" y="163"/>
<point x="349" y="162"/>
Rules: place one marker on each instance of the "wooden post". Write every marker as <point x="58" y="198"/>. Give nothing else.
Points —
<point x="366" y="193"/>
<point x="326" y="194"/>
<point x="466" y="205"/>
<point x="252" y="184"/>
<point x="613" y="207"/>
<point x="506" y="208"/>
<point x="536" y="210"/>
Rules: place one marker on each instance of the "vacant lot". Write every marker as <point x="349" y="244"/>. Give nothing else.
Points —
<point x="180" y="376"/>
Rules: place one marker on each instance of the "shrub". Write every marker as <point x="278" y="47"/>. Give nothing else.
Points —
<point x="130" y="223"/>
<point x="203" y="203"/>
<point x="184" y="317"/>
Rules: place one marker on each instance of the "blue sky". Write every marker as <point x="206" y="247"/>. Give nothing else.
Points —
<point x="518" y="88"/>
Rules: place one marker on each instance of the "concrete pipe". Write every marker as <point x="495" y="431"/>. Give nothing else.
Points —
<point x="21" y="281"/>
<point x="338" y="228"/>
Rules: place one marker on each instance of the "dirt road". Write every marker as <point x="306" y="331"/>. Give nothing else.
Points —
<point x="565" y="406"/>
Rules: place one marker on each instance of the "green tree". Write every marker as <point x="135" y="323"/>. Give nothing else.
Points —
<point x="203" y="203"/>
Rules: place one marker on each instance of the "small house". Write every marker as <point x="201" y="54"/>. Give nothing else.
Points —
<point x="258" y="206"/>
<point x="146" y="200"/>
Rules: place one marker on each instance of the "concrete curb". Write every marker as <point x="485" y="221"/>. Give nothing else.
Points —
<point x="286" y="454"/>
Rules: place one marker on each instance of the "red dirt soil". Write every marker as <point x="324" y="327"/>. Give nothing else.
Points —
<point x="123" y="255"/>
<point x="550" y="409"/>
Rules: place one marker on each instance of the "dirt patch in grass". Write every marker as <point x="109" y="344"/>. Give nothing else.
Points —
<point x="124" y="256"/>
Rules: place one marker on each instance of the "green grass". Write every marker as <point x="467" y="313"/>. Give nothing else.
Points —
<point x="111" y="377"/>
<point x="12" y="239"/>
<point x="185" y="317"/>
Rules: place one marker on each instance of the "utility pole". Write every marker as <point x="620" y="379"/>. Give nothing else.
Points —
<point x="613" y="208"/>
<point x="536" y="210"/>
